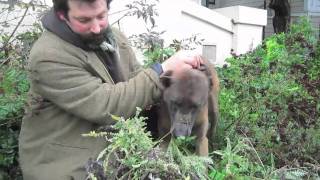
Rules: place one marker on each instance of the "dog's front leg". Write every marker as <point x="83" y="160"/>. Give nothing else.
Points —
<point x="201" y="133"/>
<point x="164" y="126"/>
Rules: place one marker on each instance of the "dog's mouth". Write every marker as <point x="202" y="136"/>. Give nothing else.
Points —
<point x="182" y="123"/>
<point x="182" y="129"/>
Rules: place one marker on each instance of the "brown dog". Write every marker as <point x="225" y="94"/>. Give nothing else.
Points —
<point x="189" y="105"/>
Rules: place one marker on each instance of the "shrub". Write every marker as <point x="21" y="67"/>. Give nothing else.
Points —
<point x="13" y="91"/>
<point x="271" y="96"/>
<point x="13" y="88"/>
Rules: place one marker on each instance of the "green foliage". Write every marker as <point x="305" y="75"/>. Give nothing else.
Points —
<point x="189" y="164"/>
<point x="152" y="46"/>
<point x="304" y="26"/>
<point x="241" y="161"/>
<point x="271" y="96"/>
<point x="157" y="54"/>
<point x="275" y="49"/>
<point x="313" y="68"/>
<point x="13" y="93"/>
<point x="13" y="88"/>
<point x="132" y="154"/>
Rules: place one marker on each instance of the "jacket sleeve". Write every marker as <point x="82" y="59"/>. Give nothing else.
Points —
<point x="69" y="85"/>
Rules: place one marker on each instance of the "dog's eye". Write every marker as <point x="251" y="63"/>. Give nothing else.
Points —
<point x="194" y="107"/>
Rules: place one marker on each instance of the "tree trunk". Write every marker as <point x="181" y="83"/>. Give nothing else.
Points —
<point x="281" y="19"/>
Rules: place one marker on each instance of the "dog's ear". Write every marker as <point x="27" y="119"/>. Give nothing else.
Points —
<point x="206" y="70"/>
<point x="166" y="78"/>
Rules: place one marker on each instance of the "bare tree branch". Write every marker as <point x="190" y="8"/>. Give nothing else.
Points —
<point x="17" y="26"/>
<point x="128" y="9"/>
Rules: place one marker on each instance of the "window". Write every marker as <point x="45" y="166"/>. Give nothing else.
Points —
<point x="209" y="51"/>
<point x="210" y="2"/>
<point x="10" y="2"/>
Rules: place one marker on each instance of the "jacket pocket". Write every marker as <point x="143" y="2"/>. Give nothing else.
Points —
<point x="71" y="157"/>
<point x="64" y="161"/>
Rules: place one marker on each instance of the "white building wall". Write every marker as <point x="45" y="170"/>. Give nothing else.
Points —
<point x="215" y="28"/>
<point x="13" y="18"/>
<point x="247" y="38"/>
<point x="247" y="26"/>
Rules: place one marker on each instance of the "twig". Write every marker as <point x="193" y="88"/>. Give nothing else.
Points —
<point x="16" y="28"/>
<point x="4" y="62"/>
<point x="110" y="14"/>
<point x="313" y="166"/>
<point x="126" y="174"/>
<point x="234" y="122"/>
<point x="171" y="129"/>
<point x="229" y="126"/>
<point x="253" y="149"/>
<point x="117" y="21"/>
<point x="4" y="10"/>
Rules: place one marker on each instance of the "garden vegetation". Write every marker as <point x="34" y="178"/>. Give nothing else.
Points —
<point x="269" y="124"/>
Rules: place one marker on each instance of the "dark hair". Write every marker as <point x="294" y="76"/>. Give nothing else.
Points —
<point x="62" y="5"/>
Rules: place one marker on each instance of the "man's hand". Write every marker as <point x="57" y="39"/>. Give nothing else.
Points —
<point x="182" y="60"/>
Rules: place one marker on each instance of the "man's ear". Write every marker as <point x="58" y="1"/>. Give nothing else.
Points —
<point x="61" y="16"/>
<point x="166" y="78"/>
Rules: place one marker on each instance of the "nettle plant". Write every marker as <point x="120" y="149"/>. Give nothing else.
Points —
<point x="131" y="153"/>
<point x="271" y="96"/>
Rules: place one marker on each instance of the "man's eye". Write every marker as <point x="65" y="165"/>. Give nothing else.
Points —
<point x="84" y="20"/>
<point x="101" y="16"/>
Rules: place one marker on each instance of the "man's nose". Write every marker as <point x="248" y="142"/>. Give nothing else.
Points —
<point x="95" y="27"/>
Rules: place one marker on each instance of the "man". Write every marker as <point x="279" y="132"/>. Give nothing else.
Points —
<point x="281" y="18"/>
<point x="81" y="71"/>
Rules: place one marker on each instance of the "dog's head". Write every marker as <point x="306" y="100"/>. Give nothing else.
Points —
<point x="185" y="94"/>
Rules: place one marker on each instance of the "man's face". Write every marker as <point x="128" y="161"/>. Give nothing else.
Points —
<point x="89" y="20"/>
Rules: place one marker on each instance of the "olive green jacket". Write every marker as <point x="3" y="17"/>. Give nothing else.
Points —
<point x="72" y="93"/>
